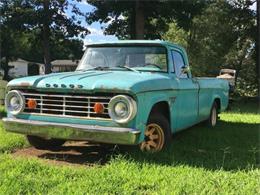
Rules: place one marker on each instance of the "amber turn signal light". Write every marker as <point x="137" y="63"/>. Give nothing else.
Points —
<point x="32" y="104"/>
<point x="99" y="108"/>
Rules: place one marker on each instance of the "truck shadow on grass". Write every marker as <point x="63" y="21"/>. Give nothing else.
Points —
<point x="2" y="112"/>
<point x="229" y="146"/>
<point x="78" y="154"/>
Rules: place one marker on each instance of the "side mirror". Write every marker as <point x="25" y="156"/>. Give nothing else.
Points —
<point x="185" y="69"/>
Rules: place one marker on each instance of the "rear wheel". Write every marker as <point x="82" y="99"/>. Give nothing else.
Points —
<point x="42" y="143"/>
<point x="212" y="121"/>
<point x="157" y="134"/>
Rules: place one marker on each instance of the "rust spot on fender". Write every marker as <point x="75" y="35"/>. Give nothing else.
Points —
<point x="24" y="84"/>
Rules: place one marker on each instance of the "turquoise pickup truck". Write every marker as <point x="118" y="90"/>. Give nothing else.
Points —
<point x="123" y="92"/>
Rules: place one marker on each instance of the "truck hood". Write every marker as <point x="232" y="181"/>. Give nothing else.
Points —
<point x="96" y="81"/>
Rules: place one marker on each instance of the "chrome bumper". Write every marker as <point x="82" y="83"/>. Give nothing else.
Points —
<point x="115" y="135"/>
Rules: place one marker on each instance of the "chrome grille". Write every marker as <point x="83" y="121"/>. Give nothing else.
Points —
<point x="67" y="105"/>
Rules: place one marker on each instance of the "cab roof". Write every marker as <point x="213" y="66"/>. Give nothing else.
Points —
<point x="136" y="42"/>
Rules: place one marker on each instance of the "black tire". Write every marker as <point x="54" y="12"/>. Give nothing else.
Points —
<point x="213" y="117"/>
<point x="44" y="144"/>
<point x="163" y="123"/>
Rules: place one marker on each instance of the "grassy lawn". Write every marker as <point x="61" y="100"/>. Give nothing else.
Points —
<point x="223" y="160"/>
<point x="9" y="141"/>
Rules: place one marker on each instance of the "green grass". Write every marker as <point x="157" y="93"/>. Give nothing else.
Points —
<point x="121" y="175"/>
<point x="223" y="160"/>
<point x="9" y="141"/>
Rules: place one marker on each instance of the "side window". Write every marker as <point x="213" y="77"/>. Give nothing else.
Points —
<point x="178" y="63"/>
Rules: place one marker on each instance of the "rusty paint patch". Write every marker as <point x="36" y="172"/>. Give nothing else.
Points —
<point x="24" y="84"/>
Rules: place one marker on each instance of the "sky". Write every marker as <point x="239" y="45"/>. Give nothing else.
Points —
<point x="96" y="33"/>
<point x="253" y="7"/>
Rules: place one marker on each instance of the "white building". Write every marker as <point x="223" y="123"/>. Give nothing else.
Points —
<point x="22" y="68"/>
<point x="64" y="65"/>
<point x="18" y="68"/>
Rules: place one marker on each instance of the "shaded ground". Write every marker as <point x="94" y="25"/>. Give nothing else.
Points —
<point x="71" y="153"/>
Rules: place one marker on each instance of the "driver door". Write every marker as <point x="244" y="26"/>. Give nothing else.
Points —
<point x="187" y="94"/>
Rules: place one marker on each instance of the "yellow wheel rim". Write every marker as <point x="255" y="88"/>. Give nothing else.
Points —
<point x="154" y="138"/>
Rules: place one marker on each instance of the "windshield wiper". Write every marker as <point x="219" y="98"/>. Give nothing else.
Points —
<point x="100" y="68"/>
<point x="128" y="68"/>
<point x="95" y="68"/>
<point x="108" y="68"/>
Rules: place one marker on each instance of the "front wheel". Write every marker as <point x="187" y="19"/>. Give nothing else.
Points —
<point x="212" y="121"/>
<point x="41" y="143"/>
<point x="157" y="134"/>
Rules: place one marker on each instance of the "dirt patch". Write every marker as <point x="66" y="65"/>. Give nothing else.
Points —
<point x="71" y="153"/>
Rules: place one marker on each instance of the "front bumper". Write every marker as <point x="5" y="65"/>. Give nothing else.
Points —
<point x="114" y="135"/>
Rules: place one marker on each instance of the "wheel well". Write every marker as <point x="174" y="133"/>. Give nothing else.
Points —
<point x="162" y="108"/>
<point x="217" y="100"/>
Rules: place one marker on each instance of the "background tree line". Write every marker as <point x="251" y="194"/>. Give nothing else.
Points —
<point x="216" y="33"/>
<point x="40" y="31"/>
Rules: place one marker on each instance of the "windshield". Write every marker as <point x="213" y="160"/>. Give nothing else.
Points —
<point x="141" y="58"/>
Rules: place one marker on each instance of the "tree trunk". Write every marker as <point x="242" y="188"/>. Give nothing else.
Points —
<point x="139" y="20"/>
<point x="46" y="35"/>
<point x="6" y="69"/>
<point x="258" y="47"/>
<point x="132" y="23"/>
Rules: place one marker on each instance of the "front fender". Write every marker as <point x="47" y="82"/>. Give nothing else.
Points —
<point x="146" y="101"/>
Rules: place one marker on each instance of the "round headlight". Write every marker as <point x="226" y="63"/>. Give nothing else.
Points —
<point x="14" y="102"/>
<point x="122" y="108"/>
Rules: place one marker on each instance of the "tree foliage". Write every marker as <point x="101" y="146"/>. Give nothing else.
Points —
<point x="46" y="21"/>
<point x="122" y="17"/>
<point x="222" y="36"/>
<point x="177" y="35"/>
<point x="13" y="45"/>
